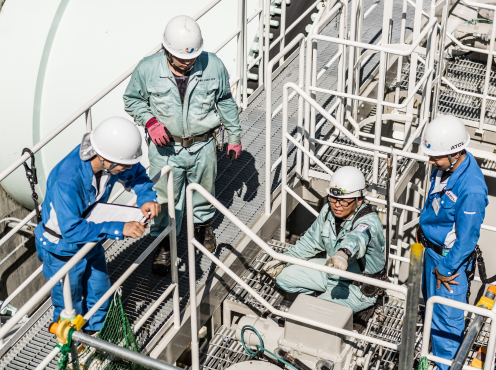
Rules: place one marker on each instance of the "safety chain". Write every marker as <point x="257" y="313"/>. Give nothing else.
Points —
<point x="33" y="180"/>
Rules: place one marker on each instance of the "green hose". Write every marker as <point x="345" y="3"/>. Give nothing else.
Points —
<point x="260" y="346"/>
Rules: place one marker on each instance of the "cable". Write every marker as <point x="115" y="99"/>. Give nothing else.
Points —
<point x="260" y="346"/>
<point x="474" y="20"/>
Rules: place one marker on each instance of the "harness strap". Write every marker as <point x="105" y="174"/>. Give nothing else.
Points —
<point x="33" y="181"/>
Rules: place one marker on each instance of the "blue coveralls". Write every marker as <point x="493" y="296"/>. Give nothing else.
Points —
<point x="152" y="92"/>
<point x="456" y="227"/>
<point x="71" y="190"/>
<point x="365" y="241"/>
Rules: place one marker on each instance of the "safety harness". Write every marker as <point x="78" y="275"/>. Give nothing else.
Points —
<point x="33" y="181"/>
<point x="476" y="258"/>
<point x="366" y="289"/>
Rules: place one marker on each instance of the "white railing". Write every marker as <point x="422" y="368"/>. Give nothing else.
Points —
<point x="86" y="108"/>
<point x="491" y="53"/>
<point x="491" y="344"/>
<point x="363" y="147"/>
<point x="193" y="243"/>
<point x="425" y="83"/>
<point x="63" y="274"/>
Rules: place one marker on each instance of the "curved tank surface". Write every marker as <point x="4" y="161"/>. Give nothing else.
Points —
<point x="70" y="52"/>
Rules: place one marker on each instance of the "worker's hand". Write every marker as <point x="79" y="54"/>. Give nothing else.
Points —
<point x="445" y="280"/>
<point x="133" y="229"/>
<point x="157" y="132"/>
<point x="273" y="268"/>
<point x="338" y="261"/>
<point x="151" y="207"/>
<point x="233" y="151"/>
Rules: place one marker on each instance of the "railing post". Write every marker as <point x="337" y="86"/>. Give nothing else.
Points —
<point x="261" y="41"/>
<point x="68" y="312"/>
<point x="239" y="58"/>
<point x="409" y="331"/>
<point x="195" y="349"/>
<point x="89" y="120"/>
<point x="245" y="55"/>
<point x="284" y="164"/>
<point x="173" y="243"/>
<point x="378" y="121"/>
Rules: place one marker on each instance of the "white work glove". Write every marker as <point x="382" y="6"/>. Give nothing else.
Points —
<point x="338" y="261"/>
<point x="272" y="270"/>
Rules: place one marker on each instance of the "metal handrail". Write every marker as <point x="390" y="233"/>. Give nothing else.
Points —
<point x="45" y="289"/>
<point x="268" y="109"/>
<point x="171" y="229"/>
<point x="87" y="107"/>
<point x="192" y="243"/>
<point x="491" y="345"/>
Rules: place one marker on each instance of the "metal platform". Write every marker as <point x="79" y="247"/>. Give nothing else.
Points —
<point x="386" y="323"/>
<point x="469" y="76"/>
<point x="335" y="158"/>
<point x="239" y="186"/>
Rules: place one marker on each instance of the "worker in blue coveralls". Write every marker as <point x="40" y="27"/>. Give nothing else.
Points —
<point x="449" y="227"/>
<point x="351" y="235"/>
<point x="181" y="95"/>
<point x="110" y="153"/>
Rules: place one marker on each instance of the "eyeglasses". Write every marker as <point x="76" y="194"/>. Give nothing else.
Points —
<point x="340" y="201"/>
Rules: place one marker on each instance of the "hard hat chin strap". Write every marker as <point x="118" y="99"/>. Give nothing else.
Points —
<point x="105" y="168"/>
<point x="452" y="164"/>
<point x="171" y="61"/>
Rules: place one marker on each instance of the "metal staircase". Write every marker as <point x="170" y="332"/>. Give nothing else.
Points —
<point x="239" y="186"/>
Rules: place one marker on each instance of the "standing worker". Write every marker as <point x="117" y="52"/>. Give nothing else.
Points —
<point x="180" y="95"/>
<point x="110" y="153"/>
<point x="449" y="227"/>
<point x="350" y="233"/>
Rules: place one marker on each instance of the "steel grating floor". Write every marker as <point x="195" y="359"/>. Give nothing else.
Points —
<point x="335" y="158"/>
<point x="239" y="186"/>
<point x="469" y="76"/>
<point x="386" y="324"/>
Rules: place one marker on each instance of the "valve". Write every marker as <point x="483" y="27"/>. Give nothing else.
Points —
<point x="61" y="328"/>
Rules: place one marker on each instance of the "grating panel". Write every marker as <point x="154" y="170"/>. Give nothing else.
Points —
<point x="469" y="76"/>
<point x="335" y="158"/>
<point x="239" y="186"/>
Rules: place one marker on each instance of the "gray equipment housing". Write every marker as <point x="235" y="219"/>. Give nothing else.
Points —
<point x="307" y="343"/>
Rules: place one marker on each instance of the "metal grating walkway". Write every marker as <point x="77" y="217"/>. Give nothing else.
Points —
<point x="239" y="186"/>
<point x="469" y="76"/>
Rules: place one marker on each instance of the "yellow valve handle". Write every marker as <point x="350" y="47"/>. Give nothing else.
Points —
<point x="78" y="322"/>
<point x="484" y="301"/>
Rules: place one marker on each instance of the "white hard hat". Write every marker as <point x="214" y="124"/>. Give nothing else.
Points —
<point x="444" y="135"/>
<point x="347" y="182"/>
<point x="182" y="37"/>
<point x="117" y="140"/>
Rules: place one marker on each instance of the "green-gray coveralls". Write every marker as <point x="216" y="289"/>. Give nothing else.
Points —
<point x="366" y="241"/>
<point x="152" y="92"/>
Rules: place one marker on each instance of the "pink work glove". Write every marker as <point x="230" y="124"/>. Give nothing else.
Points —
<point x="233" y="151"/>
<point x="157" y="132"/>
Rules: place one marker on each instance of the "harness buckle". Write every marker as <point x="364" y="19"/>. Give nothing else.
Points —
<point x="186" y="142"/>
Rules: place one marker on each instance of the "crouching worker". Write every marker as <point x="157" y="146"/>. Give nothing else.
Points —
<point x="350" y="233"/>
<point x="110" y="153"/>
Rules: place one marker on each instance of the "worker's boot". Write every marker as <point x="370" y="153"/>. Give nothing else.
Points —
<point x="162" y="258"/>
<point x="205" y="235"/>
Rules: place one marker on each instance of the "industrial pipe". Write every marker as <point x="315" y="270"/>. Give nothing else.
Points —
<point x="124" y="353"/>
<point x="409" y="331"/>
<point x="473" y="330"/>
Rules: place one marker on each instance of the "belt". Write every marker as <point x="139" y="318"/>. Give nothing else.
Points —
<point x="436" y="248"/>
<point x="186" y="142"/>
<point x="51" y="232"/>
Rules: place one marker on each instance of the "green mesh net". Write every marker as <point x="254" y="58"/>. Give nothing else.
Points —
<point x="423" y="364"/>
<point x="116" y="330"/>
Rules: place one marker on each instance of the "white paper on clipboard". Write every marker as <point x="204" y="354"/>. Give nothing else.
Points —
<point x="105" y="212"/>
